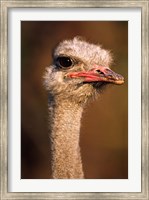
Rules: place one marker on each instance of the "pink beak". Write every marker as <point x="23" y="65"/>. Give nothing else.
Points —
<point x="98" y="74"/>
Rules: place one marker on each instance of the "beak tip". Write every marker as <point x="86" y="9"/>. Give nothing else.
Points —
<point x="120" y="81"/>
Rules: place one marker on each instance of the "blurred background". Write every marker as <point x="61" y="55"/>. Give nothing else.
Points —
<point x="104" y="130"/>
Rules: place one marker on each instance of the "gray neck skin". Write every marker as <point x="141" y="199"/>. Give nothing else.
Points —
<point x="65" y="118"/>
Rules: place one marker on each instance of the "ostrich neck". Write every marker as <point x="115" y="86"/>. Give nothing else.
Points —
<point x="65" y="119"/>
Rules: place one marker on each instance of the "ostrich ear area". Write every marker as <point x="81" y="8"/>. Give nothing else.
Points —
<point x="98" y="74"/>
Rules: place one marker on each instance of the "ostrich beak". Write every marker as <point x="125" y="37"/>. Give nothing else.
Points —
<point x="98" y="74"/>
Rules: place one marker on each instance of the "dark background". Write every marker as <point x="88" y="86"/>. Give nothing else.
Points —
<point x="104" y="131"/>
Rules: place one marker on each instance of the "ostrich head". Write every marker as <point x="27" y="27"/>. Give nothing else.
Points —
<point x="79" y="71"/>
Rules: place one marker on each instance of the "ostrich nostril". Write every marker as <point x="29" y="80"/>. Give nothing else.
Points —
<point x="99" y="72"/>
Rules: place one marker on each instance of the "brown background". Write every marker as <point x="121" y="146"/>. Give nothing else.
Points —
<point x="104" y="131"/>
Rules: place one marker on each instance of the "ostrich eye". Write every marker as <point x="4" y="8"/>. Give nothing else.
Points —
<point x="64" y="62"/>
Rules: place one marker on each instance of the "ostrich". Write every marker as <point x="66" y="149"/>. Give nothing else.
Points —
<point x="80" y="71"/>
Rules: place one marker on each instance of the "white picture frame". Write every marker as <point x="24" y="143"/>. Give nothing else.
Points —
<point x="4" y="103"/>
